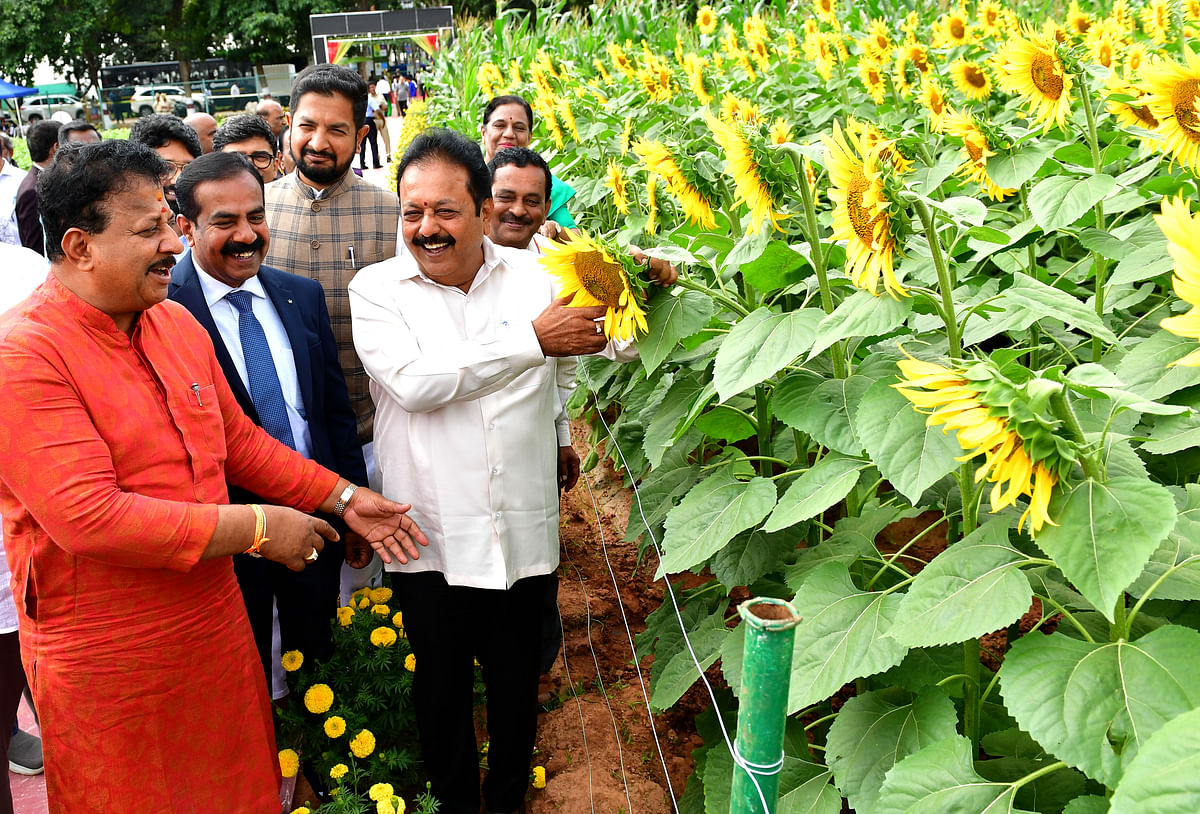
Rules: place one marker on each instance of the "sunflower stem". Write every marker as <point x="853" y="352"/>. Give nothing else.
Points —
<point x="971" y="693"/>
<point x="1098" y="264"/>
<point x="837" y="351"/>
<point x="1035" y="336"/>
<point x="943" y="273"/>
<point x="1062" y="408"/>
<point x="735" y="224"/>
<point x="691" y="285"/>
<point x="762" y="412"/>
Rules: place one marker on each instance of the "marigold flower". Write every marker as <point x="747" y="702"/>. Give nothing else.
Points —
<point x="385" y="806"/>
<point x="289" y="762"/>
<point x="335" y="726"/>
<point x="539" y="777"/>
<point x="381" y="610"/>
<point x="292" y="660"/>
<point x="381" y="791"/>
<point x="398" y="619"/>
<point x="383" y="637"/>
<point x="302" y="810"/>
<point x="381" y="595"/>
<point x="410" y="663"/>
<point x="345" y="615"/>
<point x="363" y="744"/>
<point x="339" y="771"/>
<point x="318" y="699"/>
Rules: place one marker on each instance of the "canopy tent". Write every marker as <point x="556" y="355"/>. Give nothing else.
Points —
<point x="10" y="91"/>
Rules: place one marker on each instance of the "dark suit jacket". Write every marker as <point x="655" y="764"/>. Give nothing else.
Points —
<point x="300" y="303"/>
<point x="28" y="223"/>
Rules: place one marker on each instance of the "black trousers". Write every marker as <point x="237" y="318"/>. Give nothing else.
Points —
<point x="450" y="627"/>
<point x="307" y="603"/>
<point x="371" y="138"/>
<point x="12" y="683"/>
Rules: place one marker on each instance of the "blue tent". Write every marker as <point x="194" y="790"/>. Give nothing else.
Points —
<point x="10" y="91"/>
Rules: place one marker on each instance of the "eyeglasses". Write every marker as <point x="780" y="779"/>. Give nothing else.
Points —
<point x="260" y="159"/>
<point x="178" y="166"/>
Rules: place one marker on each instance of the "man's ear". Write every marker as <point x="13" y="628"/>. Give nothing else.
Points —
<point x="485" y="211"/>
<point x="362" y="134"/>
<point x="186" y="226"/>
<point x="77" y="246"/>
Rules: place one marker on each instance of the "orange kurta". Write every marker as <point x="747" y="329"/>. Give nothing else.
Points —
<point x="116" y="451"/>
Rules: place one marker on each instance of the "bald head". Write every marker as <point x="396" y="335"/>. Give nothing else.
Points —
<point x="272" y="113"/>
<point x="205" y="126"/>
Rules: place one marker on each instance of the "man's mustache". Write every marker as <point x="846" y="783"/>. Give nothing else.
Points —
<point x="241" y="248"/>
<point x="422" y="241"/>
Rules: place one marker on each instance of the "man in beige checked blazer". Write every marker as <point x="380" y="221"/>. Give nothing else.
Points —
<point x="325" y="221"/>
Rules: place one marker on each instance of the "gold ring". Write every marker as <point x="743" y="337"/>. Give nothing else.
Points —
<point x="312" y="556"/>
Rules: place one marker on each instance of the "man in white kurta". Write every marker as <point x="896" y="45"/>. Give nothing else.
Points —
<point x="470" y="360"/>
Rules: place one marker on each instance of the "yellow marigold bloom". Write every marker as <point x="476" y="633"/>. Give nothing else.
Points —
<point x="302" y="810"/>
<point x="381" y="791"/>
<point x="1156" y="20"/>
<point x="345" y="615"/>
<point x="952" y="30"/>
<point x="659" y="160"/>
<point x="364" y="602"/>
<point x="741" y="166"/>
<point x="971" y="79"/>
<point x="954" y="402"/>
<point x="1033" y="70"/>
<point x="1182" y="229"/>
<point x="614" y="179"/>
<point x="877" y="44"/>
<point x="587" y="270"/>
<point x="289" y="762"/>
<point x="976" y="151"/>
<point x="539" y="777"/>
<point x="651" y="204"/>
<point x="338" y="771"/>
<point x="385" y="806"/>
<point x="871" y="74"/>
<point x="706" y="20"/>
<point x="363" y="744"/>
<point x="318" y="699"/>
<point x="335" y="726"/>
<point x="860" y="215"/>
<point x="934" y="99"/>
<point x="826" y="10"/>
<point x="291" y="660"/>
<point x="381" y="595"/>
<point x="410" y="663"/>
<point x="398" y="619"/>
<point x="1173" y="96"/>
<point x="383" y="637"/>
<point x="381" y="610"/>
<point x="781" y="131"/>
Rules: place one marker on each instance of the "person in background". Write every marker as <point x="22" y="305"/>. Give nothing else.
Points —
<point x="205" y="126"/>
<point x="11" y="177"/>
<point x="250" y="135"/>
<point x="272" y="113"/>
<point x="163" y="105"/>
<point x="77" y="131"/>
<point x="175" y="142"/>
<point x="286" y="162"/>
<point x="400" y="93"/>
<point x="372" y="137"/>
<point x="379" y="102"/>
<point x="42" y="141"/>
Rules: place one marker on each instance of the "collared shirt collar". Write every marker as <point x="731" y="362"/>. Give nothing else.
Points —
<point x="215" y="290"/>
<point x="331" y="191"/>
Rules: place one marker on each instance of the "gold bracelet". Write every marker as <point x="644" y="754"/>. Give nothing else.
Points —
<point x="260" y="530"/>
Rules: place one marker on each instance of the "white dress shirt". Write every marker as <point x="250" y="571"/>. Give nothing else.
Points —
<point x="469" y="413"/>
<point x="226" y="317"/>
<point x="11" y="177"/>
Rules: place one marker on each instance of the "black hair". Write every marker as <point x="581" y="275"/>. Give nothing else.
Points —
<point x="328" y="80"/>
<point x="214" y="166"/>
<point x="521" y="157"/>
<point x="41" y="139"/>
<point x="74" y="190"/>
<point x="243" y="127"/>
<point x="74" y="126"/>
<point x="157" y="129"/>
<point x="440" y="144"/>
<point x="507" y="100"/>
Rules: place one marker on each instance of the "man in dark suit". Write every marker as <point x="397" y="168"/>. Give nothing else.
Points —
<point x="42" y="140"/>
<point x="271" y="333"/>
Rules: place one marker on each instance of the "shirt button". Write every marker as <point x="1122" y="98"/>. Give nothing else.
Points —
<point x="498" y="515"/>
<point x="316" y="206"/>
<point x="492" y="426"/>
<point x="495" y="470"/>
<point x="316" y="244"/>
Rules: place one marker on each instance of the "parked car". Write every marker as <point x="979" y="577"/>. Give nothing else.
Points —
<point x="36" y="108"/>
<point x="142" y="101"/>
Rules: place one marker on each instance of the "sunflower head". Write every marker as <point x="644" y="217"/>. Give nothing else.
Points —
<point x="706" y="20"/>
<point x="593" y="272"/>
<point x="1032" y="68"/>
<point x="971" y="79"/>
<point x="1182" y="230"/>
<point x="1173" y="96"/>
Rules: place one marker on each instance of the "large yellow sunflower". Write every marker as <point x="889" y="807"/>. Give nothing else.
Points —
<point x="614" y="179"/>
<point x="1104" y="42"/>
<point x="660" y="161"/>
<point x="1173" y="95"/>
<point x="743" y="168"/>
<point x="877" y="44"/>
<point x="955" y="403"/>
<point x="952" y="30"/>
<point x="871" y="74"/>
<point x="706" y="20"/>
<point x="826" y="10"/>
<point x="1032" y="69"/>
<point x="1156" y="20"/>
<point x="860" y="212"/>
<point x="934" y="100"/>
<point x="976" y="152"/>
<point x="1182" y="229"/>
<point x="1134" y="113"/>
<point x="971" y="79"/>
<point x="586" y="269"/>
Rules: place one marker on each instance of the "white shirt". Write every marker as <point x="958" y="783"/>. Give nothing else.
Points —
<point x="469" y="413"/>
<point x="226" y="317"/>
<point x="381" y="87"/>
<point x="11" y="177"/>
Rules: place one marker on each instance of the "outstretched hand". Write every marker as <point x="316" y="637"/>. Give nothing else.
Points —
<point x="384" y="525"/>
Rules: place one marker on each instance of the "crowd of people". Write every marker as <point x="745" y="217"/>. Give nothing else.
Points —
<point x="250" y="382"/>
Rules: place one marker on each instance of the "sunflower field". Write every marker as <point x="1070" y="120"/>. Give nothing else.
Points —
<point x="930" y="372"/>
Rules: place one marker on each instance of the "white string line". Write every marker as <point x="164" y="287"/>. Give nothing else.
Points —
<point x="579" y="708"/>
<point x="632" y="647"/>
<point x="670" y="591"/>
<point x="599" y="678"/>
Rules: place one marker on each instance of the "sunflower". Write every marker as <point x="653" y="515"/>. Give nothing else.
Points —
<point x="1173" y="95"/>
<point x="870" y="137"/>
<point x="615" y="181"/>
<point x="745" y="166"/>
<point x="826" y="10"/>
<point x="957" y="403"/>
<point x="792" y="45"/>
<point x="1033" y="70"/>
<point x="620" y="59"/>
<point x="586" y="268"/>
<point x="870" y="73"/>
<point x="1156" y="20"/>
<point x="735" y="109"/>
<point x="1103" y="42"/>
<point x="1131" y="113"/>
<point x="781" y="131"/>
<point x="706" y="20"/>
<point x="1182" y="229"/>
<point x="762" y="57"/>
<point x="990" y="18"/>
<point x="602" y="71"/>
<point x="976" y="150"/>
<point x="915" y="54"/>
<point x="626" y="131"/>
<point x="821" y="53"/>
<point x="877" y="44"/>
<point x="1122" y="15"/>
<point x="934" y="100"/>
<point x="971" y="79"/>
<point x="952" y="30"/>
<point x="693" y="66"/>
<point x="860" y="212"/>
<point x="660" y="161"/>
<point x="1135" y="55"/>
<point x="1078" y="21"/>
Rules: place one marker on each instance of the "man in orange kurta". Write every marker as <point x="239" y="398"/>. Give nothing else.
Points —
<point x="119" y="433"/>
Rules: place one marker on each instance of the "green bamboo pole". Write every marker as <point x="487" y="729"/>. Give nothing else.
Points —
<point x="766" y="672"/>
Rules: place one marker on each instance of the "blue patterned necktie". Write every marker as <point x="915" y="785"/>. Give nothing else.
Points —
<point x="265" y="391"/>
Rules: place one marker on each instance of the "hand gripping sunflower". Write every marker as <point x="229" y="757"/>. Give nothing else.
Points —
<point x="597" y="273"/>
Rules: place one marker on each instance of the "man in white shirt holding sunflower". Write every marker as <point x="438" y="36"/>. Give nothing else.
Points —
<point x="470" y="359"/>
